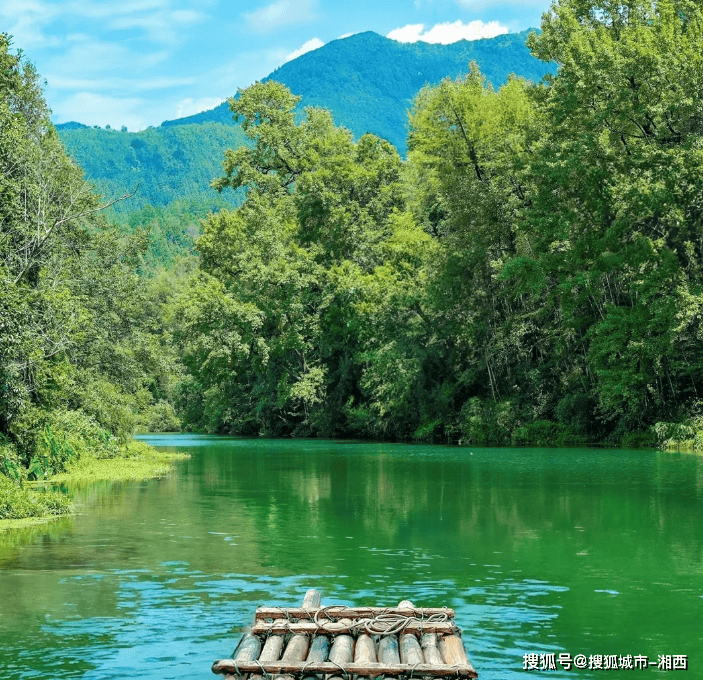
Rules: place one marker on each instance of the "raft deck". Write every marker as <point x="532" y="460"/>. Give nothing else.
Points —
<point x="336" y="642"/>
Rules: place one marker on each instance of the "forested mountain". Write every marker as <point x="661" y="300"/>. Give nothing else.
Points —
<point x="160" y="165"/>
<point x="366" y="81"/>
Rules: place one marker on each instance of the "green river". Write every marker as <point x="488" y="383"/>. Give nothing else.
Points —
<point x="539" y="551"/>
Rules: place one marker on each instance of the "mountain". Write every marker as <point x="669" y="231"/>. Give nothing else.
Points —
<point x="163" y="164"/>
<point x="366" y="81"/>
<point x="71" y="125"/>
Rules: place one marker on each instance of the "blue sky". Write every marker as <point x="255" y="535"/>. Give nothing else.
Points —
<point x="140" y="62"/>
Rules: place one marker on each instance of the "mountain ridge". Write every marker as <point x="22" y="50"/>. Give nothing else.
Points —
<point x="310" y="76"/>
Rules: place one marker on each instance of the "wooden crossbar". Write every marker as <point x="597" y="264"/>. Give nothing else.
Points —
<point x="349" y="612"/>
<point x="281" y="626"/>
<point x="229" y="666"/>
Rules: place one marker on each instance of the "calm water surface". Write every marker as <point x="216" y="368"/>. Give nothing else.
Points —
<point x="538" y="550"/>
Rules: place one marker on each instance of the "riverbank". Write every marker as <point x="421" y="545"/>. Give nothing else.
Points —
<point x="137" y="461"/>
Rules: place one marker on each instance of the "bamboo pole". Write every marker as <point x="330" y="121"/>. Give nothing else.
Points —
<point x="311" y="600"/>
<point x="388" y="653"/>
<point x="410" y="650"/>
<point x="430" y="650"/>
<point x="296" y="650"/>
<point x="224" y="666"/>
<point x="325" y="626"/>
<point x="271" y="652"/>
<point x="247" y="650"/>
<point x="319" y="649"/>
<point x="342" y="652"/>
<point x="317" y="654"/>
<point x="388" y="650"/>
<point x="365" y="651"/>
<point x="272" y="649"/>
<point x="297" y="647"/>
<point x="453" y="652"/>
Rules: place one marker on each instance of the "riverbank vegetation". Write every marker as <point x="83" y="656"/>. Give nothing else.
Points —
<point x="24" y="503"/>
<point x="532" y="274"/>
<point x="84" y="356"/>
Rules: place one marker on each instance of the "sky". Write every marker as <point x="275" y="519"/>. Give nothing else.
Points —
<point x="136" y="63"/>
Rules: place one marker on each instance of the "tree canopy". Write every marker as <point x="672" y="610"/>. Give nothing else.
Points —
<point x="81" y="358"/>
<point x="530" y="274"/>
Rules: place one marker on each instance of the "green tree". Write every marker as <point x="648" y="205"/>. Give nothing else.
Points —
<point x="468" y="169"/>
<point x="279" y="324"/>
<point x="83" y="357"/>
<point x="616" y="218"/>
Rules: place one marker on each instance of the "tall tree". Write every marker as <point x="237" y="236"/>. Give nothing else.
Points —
<point x="469" y="146"/>
<point x="275" y="338"/>
<point x="616" y="220"/>
<point x="78" y="354"/>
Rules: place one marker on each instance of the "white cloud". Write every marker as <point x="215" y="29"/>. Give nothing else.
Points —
<point x="345" y="35"/>
<point x="27" y="8"/>
<point x="58" y="82"/>
<point x="447" y="32"/>
<point x="407" y="34"/>
<point x="309" y="46"/>
<point x="155" y="18"/>
<point x="86" y="56"/>
<point x="91" y="56"/>
<point x="28" y="18"/>
<point x="27" y="35"/>
<point x="189" y="106"/>
<point x="95" y="109"/>
<point x="161" y="26"/>
<point x="107" y="62"/>
<point x="281" y="13"/>
<point x="107" y="10"/>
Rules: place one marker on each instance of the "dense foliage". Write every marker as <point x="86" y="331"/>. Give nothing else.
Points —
<point x="531" y="274"/>
<point x="158" y="165"/>
<point x="84" y="356"/>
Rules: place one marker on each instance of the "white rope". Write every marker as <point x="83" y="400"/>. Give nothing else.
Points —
<point x="384" y="623"/>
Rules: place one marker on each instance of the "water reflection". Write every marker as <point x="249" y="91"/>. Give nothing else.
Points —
<point x="594" y="552"/>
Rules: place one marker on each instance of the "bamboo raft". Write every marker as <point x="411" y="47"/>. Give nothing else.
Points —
<point x="336" y="642"/>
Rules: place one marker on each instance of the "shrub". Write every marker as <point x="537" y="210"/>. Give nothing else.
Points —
<point x="66" y="437"/>
<point x="10" y="461"/>
<point x="428" y="430"/>
<point x="544" y="433"/>
<point x="161" y="417"/>
<point x="18" y="502"/>
<point x="137" y="449"/>
<point x="485" y="422"/>
<point x="686" y="436"/>
<point x="108" y="407"/>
